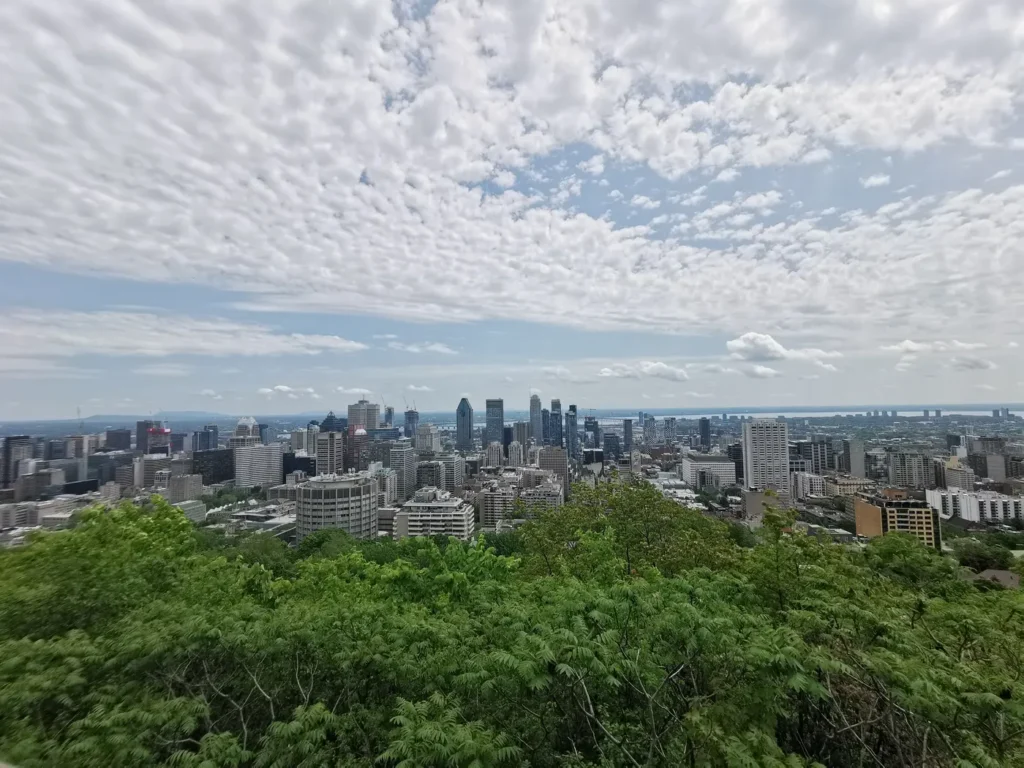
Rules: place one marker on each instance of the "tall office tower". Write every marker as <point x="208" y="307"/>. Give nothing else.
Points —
<point x="119" y="440"/>
<point x="142" y="435"/>
<point x="454" y="472"/>
<point x="545" y="422"/>
<point x="556" y="460"/>
<point x="704" y="426"/>
<point x="853" y="457"/>
<point x="995" y="413"/>
<point x="298" y="440"/>
<point x="330" y="453"/>
<point x="627" y="435"/>
<point x="515" y="454"/>
<point x="815" y="453"/>
<point x="263" y="430"/>
<point x="938" y="414"/>
<point x="364" y="414"/>
<point x="495" y="455"/>
<point x="536" y="421"/>
<point x="572" y="436"/>
<point x="592" y="432"/>
<point x="495" y="421"/>
<point x="403" y="461"/>
<point x="521" y="433"/>
<point x="556" y="423"/>
<point x="909" y="470"/>
<point x="348" y="502"/>
<point x="312" y="430"/>
<point x="389" y="416"/>
<point x="247" y="427"/>
<point x="214" y="431"/>
<point x="428" y="438"/>
<point x="650" y="429"/>
<point x="261" y="465"/>
<point x="612" y="449"/>
<point x="464" y="426"/>
<point x="16" y="448"/>
<point x="640" y="418"/>
<point x="735" y="452"/>
<point x="766" y="455"/>
<point x="332" y="423"/>
<point x="216" y="466"/>
<point x="412" y="420"/>
<point x="146" y="468"/>
<point x="926" y="413"/>
<point x="507" y="436"/>
<point x="201" y="441"/>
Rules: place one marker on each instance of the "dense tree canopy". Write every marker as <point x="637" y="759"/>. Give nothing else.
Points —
<point x="621" y="630"/>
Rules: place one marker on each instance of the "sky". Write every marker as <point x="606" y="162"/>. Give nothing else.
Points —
<point x="280" y="206"/>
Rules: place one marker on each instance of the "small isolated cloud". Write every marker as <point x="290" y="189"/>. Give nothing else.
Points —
<point x="645" y="369"/>
<point x="972" y="364"/>
<point x="760" y="347"/>
<point x="535" y="391"/>
<point x="729" y="174"/>
<point x="419" y="388"/>
<point x="265" y="391"/>
<point x="508" y="379"/>
<point x="384" y="336"/>
<point x="164" y="370"/>
<point x="985" y="387"/>
<point x="352" y="391"/>
<point x="211" y="394"/>
<point x="999" y="175"/>
<point x="642" y="201"/>
<point x="423" y="347"/>
<point x="699" y="395"/>
<point x="593" y="166"/>
<point x="761" y="372"/>
<point x="877" y="180"/>
<point x="908" y="347"/>
<point x="1013" y="345"/>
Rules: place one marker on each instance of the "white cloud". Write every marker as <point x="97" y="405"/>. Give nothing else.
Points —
<point x="419" y="388"/>
<point x="985" y="387"/>
<point x="561" y="373"/>
<point x="421" y="348"/>
<point x="384" y="336"/>
<point x="642" y="201"/>
<point x="504" y="179"/>
<point x="535" y="391"/>
<point x="877" y="180"/>
<point x="353" y="391"/>
<point x="753" y="346"/>
<point x="729" y="174"/>
<point x="593" y="166"/>
<point x="699" y="395"/>
<point x="64" y="334"/>
<point x="717" y="368"/>
<point x="999" y="175"/>
<point x="1013" y="345"/>
<point x="644" y="369"/>
<point x="761" y="372"/>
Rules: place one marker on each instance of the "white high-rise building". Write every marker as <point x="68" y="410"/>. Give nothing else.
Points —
<point x="387" y="484"/>
<point x="312" y="431"/>
<point x="260" y="465"/>
<point x="766" y="455"/>
<point x="536" y="420"/>
<point x="428" y="438"/>
<point x="497" y="502"/>
<point x="433" y="512"/>
<point x="807" y="484"/>
<point x="348" y="502"/>
<point x="403" y="461"/>
<point x="515" y="454"/>
<point x="364" y="414"/>
<point x="330" y="453"/>
<point x="495" y="456"/>
<point x="454" y="472"/>
<point x="299" y="440"/>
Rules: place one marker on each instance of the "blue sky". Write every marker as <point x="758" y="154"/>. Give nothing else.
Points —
<point x="214" y="207"/>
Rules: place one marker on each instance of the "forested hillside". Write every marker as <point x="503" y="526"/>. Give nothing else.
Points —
<point x="621" y="630"/>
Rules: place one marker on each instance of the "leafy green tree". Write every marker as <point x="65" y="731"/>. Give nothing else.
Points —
<point x="980" y="556"/>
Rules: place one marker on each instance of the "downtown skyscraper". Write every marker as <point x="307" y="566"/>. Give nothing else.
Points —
<point x="556" y="423"/>
<point x="464" y="426"/>
<point x="572" y="435"/>
<point x="536" y="421"/>
<point x="495" y="426"/>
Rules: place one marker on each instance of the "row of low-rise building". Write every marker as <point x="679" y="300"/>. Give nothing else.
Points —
<point x="976" y="506"/>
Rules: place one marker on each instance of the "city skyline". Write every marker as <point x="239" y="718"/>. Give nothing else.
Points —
<point x="692" y="219"/>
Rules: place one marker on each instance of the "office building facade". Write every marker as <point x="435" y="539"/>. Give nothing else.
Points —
<point x="345" y="502"/>
<point x="536" y="421"/>
<point x="495" y="424"/>
<point x="766" y="455"/>
<point x="259" y="465"/>
<point x="464" y="426"/>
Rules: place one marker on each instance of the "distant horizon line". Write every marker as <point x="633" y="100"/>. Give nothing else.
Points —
<point x="731" y="410"/>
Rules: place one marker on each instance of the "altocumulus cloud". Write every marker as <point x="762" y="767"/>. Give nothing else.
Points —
<point x="402" y="151"/>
